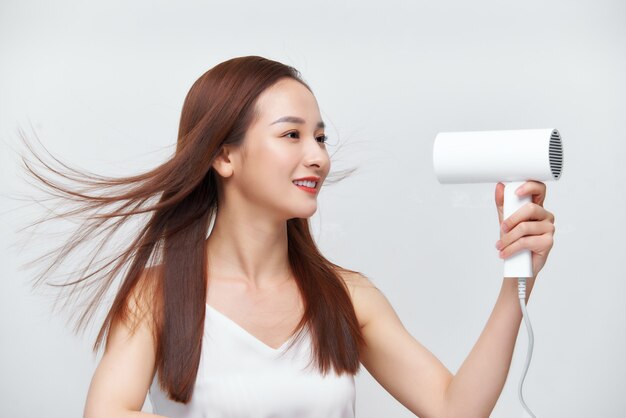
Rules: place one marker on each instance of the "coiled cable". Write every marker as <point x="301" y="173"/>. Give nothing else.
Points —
<point x="521" y="291"/>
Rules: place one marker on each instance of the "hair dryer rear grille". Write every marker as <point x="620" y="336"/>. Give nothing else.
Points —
<point x="556" y="154"/>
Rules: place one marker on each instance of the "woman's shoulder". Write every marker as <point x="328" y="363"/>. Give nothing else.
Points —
<point x="144" y="297"/>
<point x="363" y="294"/>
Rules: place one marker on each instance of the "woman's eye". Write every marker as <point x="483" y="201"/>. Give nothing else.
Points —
<point x="296" y="135"/>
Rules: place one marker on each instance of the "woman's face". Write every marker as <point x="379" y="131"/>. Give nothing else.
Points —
<point x="284" y="143"/>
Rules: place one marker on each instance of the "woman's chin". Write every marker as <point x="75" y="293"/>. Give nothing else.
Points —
<point x="305" y="213"/>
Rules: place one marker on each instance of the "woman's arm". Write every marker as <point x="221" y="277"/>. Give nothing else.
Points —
<point x="403" y="366"/>
<point x="475" y="388"/>
<point x="415" y="377"/>
<point x="121" y="381"/>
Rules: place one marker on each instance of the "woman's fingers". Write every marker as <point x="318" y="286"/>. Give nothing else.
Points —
<point x="536" y="189"/>
<point x="522" y="230"/>
<point x="539" y="244"/>
<point x="528" y="212"/>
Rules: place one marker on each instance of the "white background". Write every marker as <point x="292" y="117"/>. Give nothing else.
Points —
<point x="103" y="84"/>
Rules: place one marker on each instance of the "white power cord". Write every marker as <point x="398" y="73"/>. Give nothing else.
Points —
<point x="521" y="291"/>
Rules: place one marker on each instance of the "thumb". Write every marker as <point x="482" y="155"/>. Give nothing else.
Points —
<point x="500" y="201"/>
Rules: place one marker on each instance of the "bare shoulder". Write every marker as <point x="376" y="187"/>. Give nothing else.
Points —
<point x="401" y="364"/>
<point x="143" y="297"/>
<point x="137" y="321"/>
<point x="367" y="299"/>
<point x="124" y="374"/>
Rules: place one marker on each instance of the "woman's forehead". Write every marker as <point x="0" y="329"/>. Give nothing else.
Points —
<point x="287" y="98"/>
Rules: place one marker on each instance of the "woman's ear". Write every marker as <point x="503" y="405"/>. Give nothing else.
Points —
<point x="223" y="165"/>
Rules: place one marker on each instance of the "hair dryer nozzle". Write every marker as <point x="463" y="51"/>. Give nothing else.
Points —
<point x="493" y="156"/>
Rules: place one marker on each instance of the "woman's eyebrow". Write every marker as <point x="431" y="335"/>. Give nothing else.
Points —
<point x="295" y="119"/>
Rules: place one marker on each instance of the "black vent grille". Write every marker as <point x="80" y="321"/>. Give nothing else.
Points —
<point x="556" y="154"/>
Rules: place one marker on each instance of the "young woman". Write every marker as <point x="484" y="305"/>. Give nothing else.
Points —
<point x="228" y="309"/>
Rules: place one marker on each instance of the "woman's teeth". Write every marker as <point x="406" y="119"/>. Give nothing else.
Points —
<point x="310" y="184"/>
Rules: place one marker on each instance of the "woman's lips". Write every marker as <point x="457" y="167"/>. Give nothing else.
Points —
<point x="307" y="189"/>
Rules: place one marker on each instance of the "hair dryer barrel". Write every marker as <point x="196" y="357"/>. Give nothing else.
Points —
<point x="494" y="156"/>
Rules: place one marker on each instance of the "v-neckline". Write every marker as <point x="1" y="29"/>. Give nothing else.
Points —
<point x="247" y="334"/>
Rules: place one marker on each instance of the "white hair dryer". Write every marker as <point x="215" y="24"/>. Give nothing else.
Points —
<point x="513" y="157"/>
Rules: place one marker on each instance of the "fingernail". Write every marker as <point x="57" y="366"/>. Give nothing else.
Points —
<point x="519" y="191"/>
<point x="498" y="244"/>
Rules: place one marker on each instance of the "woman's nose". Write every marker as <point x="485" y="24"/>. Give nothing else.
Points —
<point x="316" y="153"/>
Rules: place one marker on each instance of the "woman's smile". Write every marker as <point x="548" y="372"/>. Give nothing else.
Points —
<point x="312" y="190"/>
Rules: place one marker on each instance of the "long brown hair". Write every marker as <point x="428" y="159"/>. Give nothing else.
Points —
<point x="178" y="200"/>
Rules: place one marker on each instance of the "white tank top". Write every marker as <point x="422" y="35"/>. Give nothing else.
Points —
<point x="240" y="376"/>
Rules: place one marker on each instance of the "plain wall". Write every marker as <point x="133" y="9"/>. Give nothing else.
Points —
<point x="103" y="85"/>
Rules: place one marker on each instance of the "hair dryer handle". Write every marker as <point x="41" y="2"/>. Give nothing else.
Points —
<point x="521" y="263"/>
